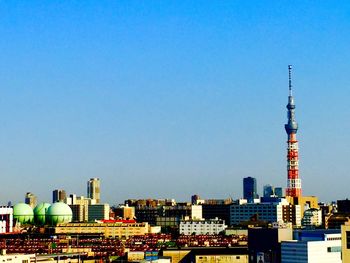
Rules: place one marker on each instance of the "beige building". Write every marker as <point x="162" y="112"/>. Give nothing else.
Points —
<point x="15" y="258"/>
<point x="207" y="255"/>
<point x="221" y="258"/>
<point x="30" y="199"/>
<point x="93" y="189"/>
<point x="176" y="255"/>
<point x="115" y="229"/>
<point x="305" y="202"/>
<point x="345" y="242"/>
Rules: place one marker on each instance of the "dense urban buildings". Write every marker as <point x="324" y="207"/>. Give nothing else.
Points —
<point x="279" y="227"/>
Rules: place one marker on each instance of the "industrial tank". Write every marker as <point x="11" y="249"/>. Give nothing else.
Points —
<point x="23" y="213"/>
<point x="40" y="213"/>
<point x="58" y="213"/>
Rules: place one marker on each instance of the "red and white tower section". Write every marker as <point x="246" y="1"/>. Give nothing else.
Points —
<point x="294" y="182"/>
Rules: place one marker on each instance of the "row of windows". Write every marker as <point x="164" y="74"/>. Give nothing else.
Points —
<point x="334" y="249"/>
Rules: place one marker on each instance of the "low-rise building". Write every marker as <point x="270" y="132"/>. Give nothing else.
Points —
<point x="208" y="255"/>
<point x="98" y="212"/>
<point x="181" y="211"/>
<point x="345" y="242"/>
<point x="312" y="218"/>
<point x="265" y="243"/>
<point x="6" y="219"/>
<point x="216" y="210"/>
<point x="313" y="246"/>
<point x="15" y="258"/>
<point x="270" y="210"/>
<point x="117" y="228"/>
<point x="202" y="227"/>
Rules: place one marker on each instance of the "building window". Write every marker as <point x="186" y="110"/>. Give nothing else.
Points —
<point x="333" y="249"/>
<point x="348" y="239"/>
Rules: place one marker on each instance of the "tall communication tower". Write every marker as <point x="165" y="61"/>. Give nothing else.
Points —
<point x="294" y="182"/>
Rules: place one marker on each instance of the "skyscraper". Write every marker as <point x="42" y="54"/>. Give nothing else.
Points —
<point x="249" y="189"/>
<point x="30" y="199"/>
<point x="279" y="192"/>
<point x="269" y="190"/>
<point x="294" y="182"/>
<point x="58" y="195"/>
<point x="93" y="189"/>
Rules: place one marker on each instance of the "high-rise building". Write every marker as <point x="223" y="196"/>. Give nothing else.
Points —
<point x="58" y="195"/>
<point x="194" y="199"/>
<point x="93" y="189"/>
<point x="294" y="182"/>
<point x="249" y="189"/>
<point x="269" y="190"/>
<point x="30" y="199"/>
<point x="279" y="191"/>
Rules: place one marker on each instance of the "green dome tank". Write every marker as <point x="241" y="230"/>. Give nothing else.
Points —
<point x="40" y="213"/>
<point x="58" y="213"/>
<point x="23" y="213"/>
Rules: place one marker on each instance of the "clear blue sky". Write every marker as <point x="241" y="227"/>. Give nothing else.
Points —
<point x="166" y="99"/>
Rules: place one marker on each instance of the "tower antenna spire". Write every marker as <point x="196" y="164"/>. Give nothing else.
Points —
<point x="290" y="79"/>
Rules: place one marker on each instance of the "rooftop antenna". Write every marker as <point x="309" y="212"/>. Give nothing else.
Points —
<point x="290" y="79"/>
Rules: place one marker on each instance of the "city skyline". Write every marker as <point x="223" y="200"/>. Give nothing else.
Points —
<point x="167" y="100"/>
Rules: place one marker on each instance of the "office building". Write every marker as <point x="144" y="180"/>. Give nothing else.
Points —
<point x="98" y="212"/>
<point x="150" y="214"/>
<point x="93" y="189"/>
<point x="279" y="192"/>
<point x="269" y="190"/>
<point x="312" y="218"/>
<point x="345" y="242"/>
<point x="212" y="211"/>
<point x="265" y="243"/>
<point x="207" y="254"/>
<point x="343" y="206"/>
<point x="30" y="199"/>
<point x="124" y="212"/>
<point x="249" y="189"/>
<point x="276" y="210"/>
<point x="317" y="246"/>
<point x="59" y="195"/>
<point x="80" y="207"/>
<point x="335" y="221"/>
<point x="167" y="223"/>
<point x="305" y="202"/>
<point x="117" y="228"/>
<point x="202" y="227"/>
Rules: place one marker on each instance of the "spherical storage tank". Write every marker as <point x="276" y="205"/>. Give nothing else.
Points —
<point x="40" y="213"/>
<point x="23" y="213"/>
<point x="58" y="213"/>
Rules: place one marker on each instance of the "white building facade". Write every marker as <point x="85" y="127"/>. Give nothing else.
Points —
<point x="312" y="249"/>
<point x="6" y="219"/>
<point x="202" y="227"/>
